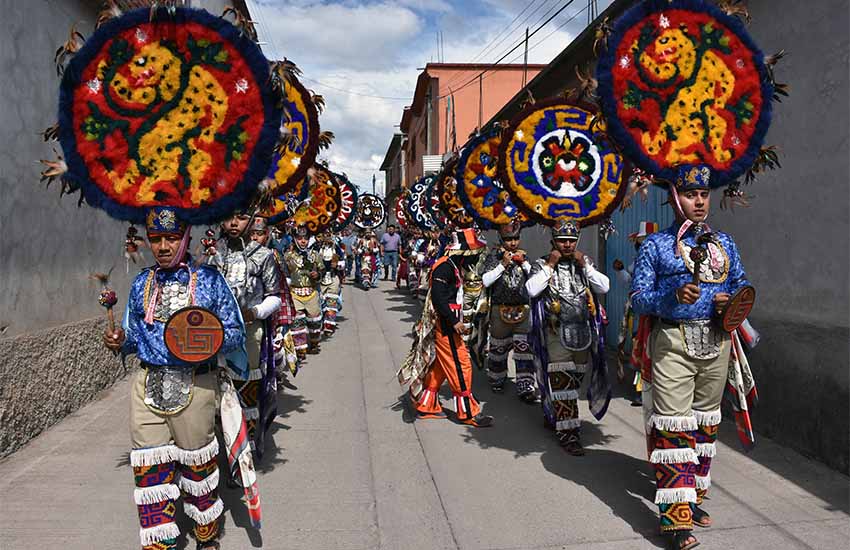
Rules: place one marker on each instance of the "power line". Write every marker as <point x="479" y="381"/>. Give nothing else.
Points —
<point x="504" y="34"/>
<point x="350" y="92"/>
<point x="535" y="31"/>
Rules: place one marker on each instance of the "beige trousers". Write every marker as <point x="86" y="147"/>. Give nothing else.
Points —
<point x="680" y="383"/>
<point x="189" y="429"/>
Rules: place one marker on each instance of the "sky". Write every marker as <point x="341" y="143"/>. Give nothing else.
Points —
<point x="364" y="56"/>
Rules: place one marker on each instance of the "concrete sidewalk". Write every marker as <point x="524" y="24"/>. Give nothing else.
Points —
<point x="346" y="471"/>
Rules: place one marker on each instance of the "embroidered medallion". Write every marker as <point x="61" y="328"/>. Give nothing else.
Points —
<point x="371" y="211"/>
<point x="300" y="123"/>
<point x="450" y="204"/>
<point x="152" y="113"/>
<point x="681" y="82"/>
<point x="480" y="191"/>
<point x="323" y="202"/>
<point x="557" y="164"/>
<point x="348" y="203"/>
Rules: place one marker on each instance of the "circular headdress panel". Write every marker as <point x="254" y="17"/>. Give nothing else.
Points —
<point x="301" y="122"/>
<point x="281" y="209"/>
<point x="450" y="204"/>
<point x="431" y="204"/>
<point x="480" y="191"/>
<point x="416" y="204"/>
<point x="175" y="111"/>
<point x="682" y="83"/>
<point x="370" y="211"/>
<point x="557" y="164"/>
<point x="401" y="211"/>
<point x="323" y="203"/>
<point x="348" y="203"/>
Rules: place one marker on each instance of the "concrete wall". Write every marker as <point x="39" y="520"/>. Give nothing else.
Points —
<point x="794" y="239"/>
<point x="49" y="374"/>
<point x="51" y="358"/>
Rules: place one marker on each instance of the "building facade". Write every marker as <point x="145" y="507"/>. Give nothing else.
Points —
<point x="450" y="102"/>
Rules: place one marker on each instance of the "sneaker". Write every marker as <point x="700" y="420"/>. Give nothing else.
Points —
<point x="480" y="420"/>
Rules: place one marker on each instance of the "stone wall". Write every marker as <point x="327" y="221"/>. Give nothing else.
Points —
<point x="49" y="374"/>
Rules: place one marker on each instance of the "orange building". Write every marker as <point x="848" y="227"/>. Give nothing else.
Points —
<point x="450" y="102"/>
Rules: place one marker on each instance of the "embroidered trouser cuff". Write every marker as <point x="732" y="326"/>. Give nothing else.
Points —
<point x="675" y="461"/>
<point x="706" y="447"/>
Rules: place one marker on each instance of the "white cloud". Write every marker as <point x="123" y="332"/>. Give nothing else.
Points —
<point x="351" y="49"/>
<point x="364" y="36"/>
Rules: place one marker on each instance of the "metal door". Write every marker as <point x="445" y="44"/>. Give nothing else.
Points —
<point x="619" y="247"/>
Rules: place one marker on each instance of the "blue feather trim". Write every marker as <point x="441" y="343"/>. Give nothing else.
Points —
<point x="609" y="101"/>
<point x="78" y="175"/>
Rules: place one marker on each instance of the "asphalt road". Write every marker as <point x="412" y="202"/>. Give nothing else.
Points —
<point x="347" y="470"/>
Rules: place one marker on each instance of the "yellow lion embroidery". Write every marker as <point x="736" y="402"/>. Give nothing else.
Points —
<point x="171" y="144"/>
<point x="692" y="117"/>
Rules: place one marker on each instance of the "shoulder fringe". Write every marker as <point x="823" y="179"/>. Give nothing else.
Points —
<point x="673" y="423"/>
<point x="156" y="493"/>
<point x="674" y="456"/>
<point x="710" y="418"/>
<point x="152" y="456"/>
<point x="207" y="516"/>
<point x="152" y="535"/>
<point x="200" y="488"/>
<point x="673" y="496"/>
<point x="704" y="482"/>
<point x="565" y="395"/>
<point x="198" y="456"/>
<point x="707" y="450"/>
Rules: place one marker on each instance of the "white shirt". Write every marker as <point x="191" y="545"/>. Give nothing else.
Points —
<point x="537" y="283"/>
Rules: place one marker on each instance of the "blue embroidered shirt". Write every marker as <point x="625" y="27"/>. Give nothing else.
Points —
<point x="211" y="292"/>
<point x="658" y="272"/>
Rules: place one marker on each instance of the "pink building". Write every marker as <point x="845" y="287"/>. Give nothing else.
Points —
<point x="450" y="102"/>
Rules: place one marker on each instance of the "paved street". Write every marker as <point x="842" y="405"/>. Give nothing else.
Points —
<point x="345" y="471"/>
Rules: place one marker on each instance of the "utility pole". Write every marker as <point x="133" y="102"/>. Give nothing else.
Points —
<point x="480" y="100"/>
<point x="525" y="61"/>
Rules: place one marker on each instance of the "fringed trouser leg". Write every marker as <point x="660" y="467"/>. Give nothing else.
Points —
<point x="686" y="396"/>
<point x="299" y="334"/>
<point x="199" y="484"/>
<point x="163" y="447"/>
<point x="565" y="373"/>
<point x="706" y="447"/>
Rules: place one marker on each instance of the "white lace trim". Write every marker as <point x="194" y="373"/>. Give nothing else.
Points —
<point x="198" y="456"/>
<point x="565" y="395"/>
<point x="152" y="456"/>
<point x="566" y="366"/>
<point x="674" y="456"/>
<point x="710" y="418"/>
<point x="673" y="423"/>
<point x="568" y="424"/>
<point x="672" y="496"/>
<point x="207" y="516"/>
<point x="200" y="488"/>
<point x="707" y="450"/>
<point x="161" y="532"/>
<point x="156" y="493"/>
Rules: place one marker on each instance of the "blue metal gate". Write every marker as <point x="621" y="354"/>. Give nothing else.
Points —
<point x="619" y="247"/>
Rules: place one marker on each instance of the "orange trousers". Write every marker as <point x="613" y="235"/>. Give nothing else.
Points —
<point x="451" y="365"/>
